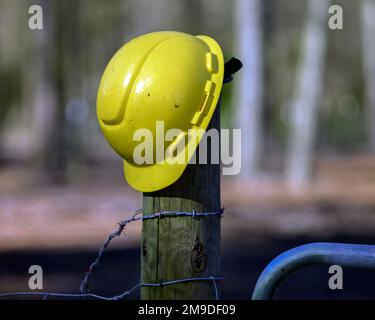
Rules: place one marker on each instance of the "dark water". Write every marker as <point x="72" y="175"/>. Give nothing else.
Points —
<point x="242" y="262"/>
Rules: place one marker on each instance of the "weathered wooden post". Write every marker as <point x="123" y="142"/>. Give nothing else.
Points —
<point x="176" y="248"/>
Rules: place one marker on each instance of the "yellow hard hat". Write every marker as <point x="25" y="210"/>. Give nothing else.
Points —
<point x="162" y="76"/>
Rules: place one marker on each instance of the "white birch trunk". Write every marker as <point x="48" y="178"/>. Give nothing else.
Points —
<point x="308" y="93"/>
<point x="249" y="83"/>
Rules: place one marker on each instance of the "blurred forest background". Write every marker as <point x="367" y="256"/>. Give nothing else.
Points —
<point x="305" y="101"/>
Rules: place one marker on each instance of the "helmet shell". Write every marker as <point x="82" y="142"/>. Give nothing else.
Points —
<point x="162" y="76"/>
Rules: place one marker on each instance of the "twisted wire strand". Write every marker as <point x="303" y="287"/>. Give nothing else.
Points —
<point x="117" y="297"/>
<point x="84" y="286"/>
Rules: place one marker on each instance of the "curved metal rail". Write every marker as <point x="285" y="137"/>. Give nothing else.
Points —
<point x="345" y="255"/>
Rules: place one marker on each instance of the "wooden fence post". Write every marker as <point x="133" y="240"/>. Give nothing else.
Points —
<point x="182" y="247"/>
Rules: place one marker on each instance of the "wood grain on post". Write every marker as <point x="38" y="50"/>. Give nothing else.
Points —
<point x="182" y="247"/>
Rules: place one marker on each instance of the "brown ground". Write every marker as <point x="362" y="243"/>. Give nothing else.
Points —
<point x="35" y="215"/>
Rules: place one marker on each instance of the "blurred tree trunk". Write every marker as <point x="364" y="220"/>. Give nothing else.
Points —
<point x="75" y="106"/>
<point x="11" y="57"/>
<point x="249" y="86"/>
<point x="193" y="12"/>
<point x="40" y="87"/>
<point x="308" y="92"/>
<point x="368" y="52"/>
<point x="146" y="15"/>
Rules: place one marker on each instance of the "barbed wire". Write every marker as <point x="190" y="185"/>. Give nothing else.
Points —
<point x="117" y="297"/>
<point x="123" y="223"/>
<point x="84" y="286"/>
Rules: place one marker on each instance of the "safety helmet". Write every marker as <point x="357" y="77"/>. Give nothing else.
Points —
<point x="162" y="76"/>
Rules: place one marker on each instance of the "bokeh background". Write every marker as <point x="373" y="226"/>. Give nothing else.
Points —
<point x="304" y="100"/>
